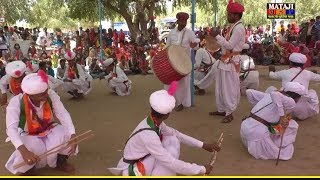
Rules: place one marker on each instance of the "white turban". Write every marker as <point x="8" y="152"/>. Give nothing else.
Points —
<point x="108" y="62"/>
<point x="16" y="69"/>
<point x="298" y="58"/>
<point x="69" y="55"/>
<point x="162" y="102"/>
<point x="295" y="87"/>
<point x="35" y="83"/>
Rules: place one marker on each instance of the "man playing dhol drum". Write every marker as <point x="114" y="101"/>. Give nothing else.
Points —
<point x="187" y="39"/>
<point x="227" y="89"/>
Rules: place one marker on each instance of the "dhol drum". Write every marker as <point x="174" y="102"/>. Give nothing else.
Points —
<point x="212" y="44"/>
<point x="171" y="64"/>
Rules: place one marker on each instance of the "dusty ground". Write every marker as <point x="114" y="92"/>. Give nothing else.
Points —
<point x="113" y="118"/>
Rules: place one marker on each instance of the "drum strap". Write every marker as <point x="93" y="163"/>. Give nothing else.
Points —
<point x="184" y="32"/>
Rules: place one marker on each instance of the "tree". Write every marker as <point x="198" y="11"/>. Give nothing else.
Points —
<point x="136" y="13"/>
<point x="13" y="10"/>
<point x="52" y="14"/>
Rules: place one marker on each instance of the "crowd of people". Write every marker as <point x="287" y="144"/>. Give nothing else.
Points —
<point x="29" y="96"/>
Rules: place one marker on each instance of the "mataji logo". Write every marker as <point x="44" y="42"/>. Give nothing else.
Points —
<point x="281" y="10"/>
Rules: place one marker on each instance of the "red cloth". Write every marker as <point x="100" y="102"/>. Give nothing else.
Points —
<point x="122" y="36"/>
<point x="234" y="7"/>
<point x="182" y="16"/>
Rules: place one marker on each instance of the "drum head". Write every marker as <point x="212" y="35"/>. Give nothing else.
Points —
<point x="179" y="59"/>
<point x="212" y="44"/>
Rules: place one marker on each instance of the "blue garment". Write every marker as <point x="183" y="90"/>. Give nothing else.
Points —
<point x="58" y="43"/>
<point x="50" y="72"/>
<point x="317" y="26"/>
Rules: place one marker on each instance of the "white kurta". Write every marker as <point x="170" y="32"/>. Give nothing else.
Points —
<point x="203" y="59"/>
<point x="251" y="80"/>
<point x="164" y="155"/>
<point x="38" y="145"/>
<point x="227" y="89"/>
<point x="120" y="84"/>
<point x="256" y="137"/>
<point x="308" y="105"/>
<point x="183" y="93"/>
<point x="54" y="83"/>
<point x="81" y="84"/>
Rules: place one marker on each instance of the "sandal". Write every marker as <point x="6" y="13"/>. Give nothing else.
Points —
<point x="216" y="113"/>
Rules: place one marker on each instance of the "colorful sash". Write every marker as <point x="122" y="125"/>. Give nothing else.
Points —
<point x="29" y="120"/>
<point x="15" y="86"/>
<point x="73" y="72"/>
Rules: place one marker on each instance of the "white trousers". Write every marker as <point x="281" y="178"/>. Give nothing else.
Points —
<point x="120" y="88"/>
<point x="261" y="144"/>
<point x="81" y="87"/>
<point x="183" y="93"/>
<point x="227" y="91"/>
<point x="39" y="145"/>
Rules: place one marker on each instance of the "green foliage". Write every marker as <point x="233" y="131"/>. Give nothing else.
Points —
<point x="13" y="10"/>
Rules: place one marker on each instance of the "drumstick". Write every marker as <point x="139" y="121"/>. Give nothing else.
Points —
<point x="56" y="147"/>
<point x="214" y="153"/>
<point x="53" y="152"/>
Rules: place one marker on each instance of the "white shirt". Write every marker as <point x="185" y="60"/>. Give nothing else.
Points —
<point x="147" y="142"/>
<point x="204" y="56"/>
<point x="303" y="78"/>
<point x="280" y="106"/>
<point x="183" y="38"/>
<point x="246" y="62"/>
<point x="81" y="73"/>
<point x="236" y="41"/>
<point x="13" y="114"/>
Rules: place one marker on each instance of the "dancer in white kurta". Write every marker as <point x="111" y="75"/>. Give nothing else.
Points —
<point x="227" y="89"/>
<point x="249" y="76"/>
<point x="76" y="81"/>
<point x="15" y="72"/>
<point x="186" y="38"/>
<point x="32" y="130"/>
<point x="308" y="105"/>
<point x="204" y="62"/>
<point x="153" y="148"/>
<point x="116" y="79"/>
<point x="261" y="131"/>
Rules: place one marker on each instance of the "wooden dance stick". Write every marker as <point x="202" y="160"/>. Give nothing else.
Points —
<point x="287" y="119"/>
<point x="78" y="138"/>
<point x="214" y="153"/>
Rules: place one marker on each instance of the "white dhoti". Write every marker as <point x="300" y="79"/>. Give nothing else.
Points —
<point x="121" y="88"/>
<point x="250" y="82"/>
<point x="227" y="89"/>
<point x="183" y="93"/>
<point x="208" y="79"/>
<point x="307" y="106"/>
<point x="152" y="167"/>
<point x="39" y="145"/>
<point x="263" y="145"/>
<point x="79" y="85"/>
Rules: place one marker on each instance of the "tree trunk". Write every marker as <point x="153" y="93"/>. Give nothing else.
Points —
<point x="134" y="31"/>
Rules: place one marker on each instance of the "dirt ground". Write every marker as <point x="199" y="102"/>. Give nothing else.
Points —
<point x="113" y="118"/>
